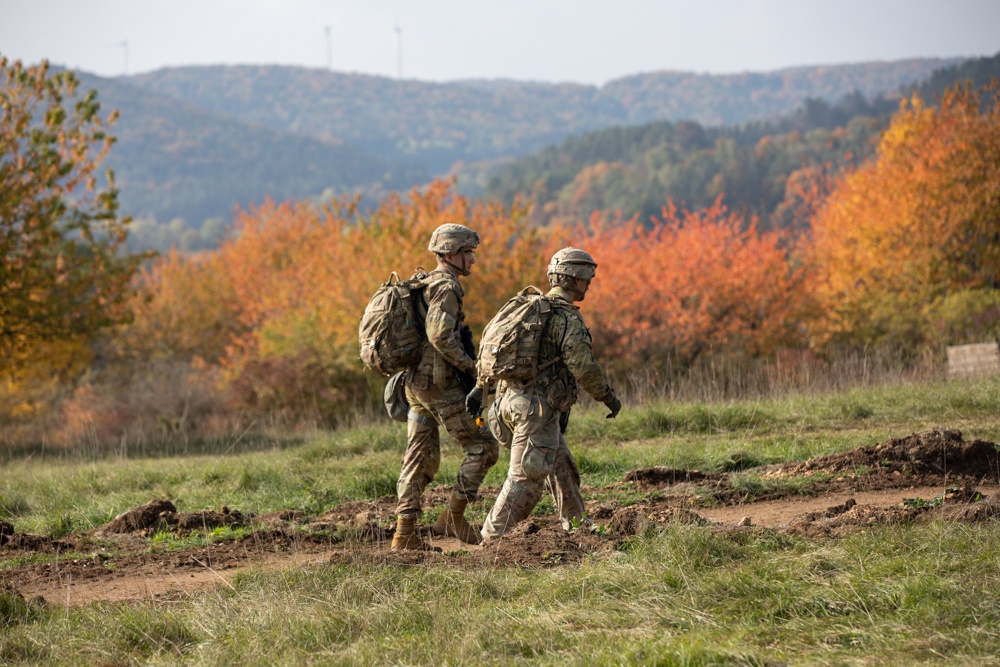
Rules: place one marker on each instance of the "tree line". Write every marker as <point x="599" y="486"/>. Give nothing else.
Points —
<point x="900" y="248"/>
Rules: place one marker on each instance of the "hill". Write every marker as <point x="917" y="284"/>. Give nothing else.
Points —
<point x="441" y="123"/>
<point x="175" y="159"/>
<point x="196" y="141"/>
<point x="636" y="170"/>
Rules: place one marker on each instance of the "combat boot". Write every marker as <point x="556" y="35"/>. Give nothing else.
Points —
<point x="452" y="522"/>
<point x="406" y="536"/>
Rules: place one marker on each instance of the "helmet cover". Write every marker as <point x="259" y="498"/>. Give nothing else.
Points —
<point x="451" y="238"/>
<point x="573" y="262"/>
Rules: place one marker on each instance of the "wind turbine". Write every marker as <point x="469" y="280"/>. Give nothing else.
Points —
<point x="399" y="51"/>
<point x="329" y="47"/>
<point x="124" y="46"/>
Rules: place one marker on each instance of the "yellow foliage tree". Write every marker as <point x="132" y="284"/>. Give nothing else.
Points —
<point x="919" y="222"/>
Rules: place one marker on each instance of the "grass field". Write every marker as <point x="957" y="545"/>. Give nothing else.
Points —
<point x="680" y="595"/>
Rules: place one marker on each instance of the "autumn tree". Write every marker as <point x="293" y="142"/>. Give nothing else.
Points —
<point x="276" y="308"/>
<point x="61" y="275"/>
<point x="689" y="283"/>
<point x="916" y="230"/>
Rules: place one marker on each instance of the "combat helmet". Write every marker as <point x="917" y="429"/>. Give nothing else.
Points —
<point x="573" y="262"/>
<point x="451" y="238"/>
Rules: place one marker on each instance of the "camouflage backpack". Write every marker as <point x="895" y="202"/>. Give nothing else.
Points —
<point x="392" y="334"/>
<point x="512" y="341"/>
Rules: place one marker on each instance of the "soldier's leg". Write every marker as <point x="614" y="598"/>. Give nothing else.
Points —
<point x="480" y="449"/>
<point x="564" y="484"/>
<point x="532" y="457"/>
<point x="420" y="463"/>
<point x="481" y="453"/>
<point x="514" y="504"/>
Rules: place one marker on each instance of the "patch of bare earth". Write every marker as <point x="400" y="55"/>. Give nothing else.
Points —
<point x="923" y="477"/>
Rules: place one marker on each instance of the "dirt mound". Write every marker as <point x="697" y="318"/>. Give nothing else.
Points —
<point x="145" y="517"/>
<point x="938" y="452"/>
<point x="36" y="543"/>
<point x="955" y="504"/>
<point x="161" y="514"/>
<point x="938" y="456"/>
<point x="206" y="519"/>
<point x="663" y="476"/>
<point x="544" y="543"/>
<point x="974" y="512"/>
<point x="637" y="519"/>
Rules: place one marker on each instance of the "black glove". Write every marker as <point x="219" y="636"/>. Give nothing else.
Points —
<point x="466" y="379"/>
<point x="614" y="405"/>
<point x="563" y="421"/>
<point x="474" y="402"/>
<point x="465" y="333"/>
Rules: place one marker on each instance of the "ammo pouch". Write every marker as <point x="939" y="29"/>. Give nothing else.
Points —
<point x="395" y="397"/>
<point x="559" y="389"/>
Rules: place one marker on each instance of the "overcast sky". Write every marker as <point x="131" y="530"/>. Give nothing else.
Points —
<point x="584" y="41"/>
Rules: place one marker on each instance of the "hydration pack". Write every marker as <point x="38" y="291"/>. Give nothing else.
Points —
<point x="512" y="341"/>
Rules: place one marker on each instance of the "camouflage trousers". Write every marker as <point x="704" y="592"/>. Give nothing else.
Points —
<point x="432" y="406"/>
<point x="539" y="460"/>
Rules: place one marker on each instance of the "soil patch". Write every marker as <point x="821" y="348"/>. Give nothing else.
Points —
<point x="937" y="453"/>
<point x="929" y="476"/>
<point x="936" y="457"/>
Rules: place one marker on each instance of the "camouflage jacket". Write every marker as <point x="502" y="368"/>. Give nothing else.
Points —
<point x="567" y="339"/>
<point x="443" y="353"/>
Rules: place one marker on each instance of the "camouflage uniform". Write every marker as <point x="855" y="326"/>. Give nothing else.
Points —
<point x="436" y="396"/>
<point x="526" y="417"/>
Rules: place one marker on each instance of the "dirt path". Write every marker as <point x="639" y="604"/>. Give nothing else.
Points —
<point x="780" y="513"/>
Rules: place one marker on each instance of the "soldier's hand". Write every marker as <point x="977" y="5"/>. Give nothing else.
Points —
<point x="614" y="405"/>
<point x="474" y="401"/>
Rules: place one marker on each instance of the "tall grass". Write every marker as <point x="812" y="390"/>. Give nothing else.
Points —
<point x="718" y="376"/>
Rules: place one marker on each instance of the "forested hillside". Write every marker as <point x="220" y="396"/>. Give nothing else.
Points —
<point x="195" y="142"/>
<point x="441" y="123"/>
<point x="757" y="167"/>
<point x="177" y="160"/>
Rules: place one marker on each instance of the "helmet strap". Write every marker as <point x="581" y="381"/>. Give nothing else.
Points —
<point x="460" y="270"/>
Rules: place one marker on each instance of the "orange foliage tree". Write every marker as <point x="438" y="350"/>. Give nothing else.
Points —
<point x="688" y="283"/>
<point x="274" y="312"/>
<point x="277" y="307"/>
<point x="916" y="226"/>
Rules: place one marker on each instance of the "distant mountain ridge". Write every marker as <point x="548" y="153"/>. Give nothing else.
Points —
<point x="174" y="159"/>
<point x="196" y="141"/>
<point x="441" y="123"/>
<point x="636" y="169"/>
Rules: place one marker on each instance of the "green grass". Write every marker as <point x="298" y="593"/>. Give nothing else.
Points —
<point x="60" y="493"/>
<point x="685" y="595"/>
<point x="681" y="596"/>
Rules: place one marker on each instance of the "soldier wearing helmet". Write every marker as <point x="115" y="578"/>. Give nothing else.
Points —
<point x="436" y="396"/>
<point x="530" y="417"/>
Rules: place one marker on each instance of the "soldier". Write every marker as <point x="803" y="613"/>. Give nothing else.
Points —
<point x="436" y="396"/>
<point x="527" y="416"/>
